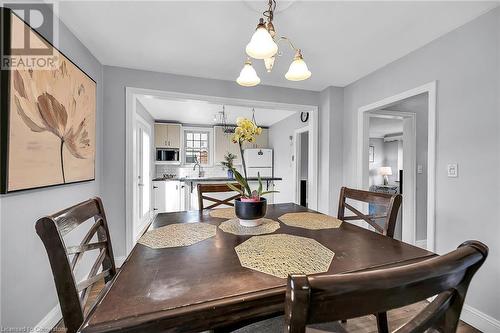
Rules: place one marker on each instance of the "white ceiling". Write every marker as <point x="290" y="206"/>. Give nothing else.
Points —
<point x="380" y="127"/>
<point x="202" y="113"/>
<point x="417" y="104"/>
<point x="342" y="41"/>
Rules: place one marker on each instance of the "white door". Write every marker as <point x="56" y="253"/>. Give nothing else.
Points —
<point x="143" y="174"/>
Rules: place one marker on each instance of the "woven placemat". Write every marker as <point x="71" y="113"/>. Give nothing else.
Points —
<point x="280" y="255"/>
<point x="223" y="213"/>
<point x="314" y="221"/>
<point x="233" y="226"/>
<point x="179" y="234"/>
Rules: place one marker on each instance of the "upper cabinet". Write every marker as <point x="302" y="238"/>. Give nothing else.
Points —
<point x="261" y="141"/>
<point x="167" y="135"/>
<point x="223" y="144"/>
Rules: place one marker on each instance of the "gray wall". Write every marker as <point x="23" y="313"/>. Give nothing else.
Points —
<point x="117" y="79"/>
<point x="465" y="62"/>
<point x="378" y="161"/>
<point x="27" y="286"/>
<point x="304" y="158"/>
<point x="279" y="140"/>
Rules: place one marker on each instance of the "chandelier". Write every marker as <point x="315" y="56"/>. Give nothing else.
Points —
<point x="264" y="46"/>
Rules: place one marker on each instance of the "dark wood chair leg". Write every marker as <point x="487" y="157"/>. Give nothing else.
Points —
<point x="382" y="325"/>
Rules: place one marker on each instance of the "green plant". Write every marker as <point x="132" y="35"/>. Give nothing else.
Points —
<point x="246" y="131"/>
<point x="228" y="161"/>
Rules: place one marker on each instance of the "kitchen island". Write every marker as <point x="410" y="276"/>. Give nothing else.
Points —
<point x="180" y="193"/>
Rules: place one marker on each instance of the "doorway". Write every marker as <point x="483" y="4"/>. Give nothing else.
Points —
<point x="395" y="106"/>
<point x="301" y="166"/>
<point x="142" y="176"/>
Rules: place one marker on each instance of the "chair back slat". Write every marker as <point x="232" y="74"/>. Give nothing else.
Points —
<point x="337" y="297"/>
<point x="390" y="202"/>
<point x="215" y="188"/>
<point x="51" y="229"/>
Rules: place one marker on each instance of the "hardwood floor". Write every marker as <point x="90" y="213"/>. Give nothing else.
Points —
<point x="367" y="324"/>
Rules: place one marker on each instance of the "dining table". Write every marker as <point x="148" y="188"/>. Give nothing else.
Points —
<point x="204" y="286"/>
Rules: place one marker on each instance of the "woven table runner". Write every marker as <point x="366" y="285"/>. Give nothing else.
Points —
<point x="180" y="234"/>
<point x="280" y="255"/>
<point x="233" y="226"/>
<point x="314" y="221"/>
<point x="223" y="213"/>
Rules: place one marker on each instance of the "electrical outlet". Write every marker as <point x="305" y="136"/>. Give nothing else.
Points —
<point x="452" y="170"/>
<point x="420" y="168"/>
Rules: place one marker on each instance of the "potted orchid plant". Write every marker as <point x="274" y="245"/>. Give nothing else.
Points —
<point x="251" y="207"/>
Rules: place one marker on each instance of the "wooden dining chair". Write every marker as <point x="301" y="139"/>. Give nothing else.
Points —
<point x="73" y="296"/>
<point x="389" y="202"/>
<point x="215" y="188"/>
<point x="329" y="298"/>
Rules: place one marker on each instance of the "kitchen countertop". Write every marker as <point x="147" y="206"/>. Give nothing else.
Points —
<point x="213" y="179"/>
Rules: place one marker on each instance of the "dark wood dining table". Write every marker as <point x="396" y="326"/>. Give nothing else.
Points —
<point x="203" y="286"/>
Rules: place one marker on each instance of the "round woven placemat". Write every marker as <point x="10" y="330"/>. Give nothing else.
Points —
<point x="179" y="234"/>
<point x="233" y="226"/>
<point x="280" y="255"/>
<point x="223" y="213"/>
<point x="307" y="220"/>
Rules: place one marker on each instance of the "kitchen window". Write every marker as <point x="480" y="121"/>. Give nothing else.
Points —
<point x="197" y="146"/>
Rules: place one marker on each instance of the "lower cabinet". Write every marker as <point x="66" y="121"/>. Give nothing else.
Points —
<point x="168" y="196"/>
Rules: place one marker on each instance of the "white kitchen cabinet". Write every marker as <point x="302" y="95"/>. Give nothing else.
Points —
<point x="223" y="145"/>
<point x="167" y="135"/>
<point x="167" y="196"/>
<point x="261" y="141"/>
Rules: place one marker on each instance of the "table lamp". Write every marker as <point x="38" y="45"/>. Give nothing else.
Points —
<point x="385" y="171"/>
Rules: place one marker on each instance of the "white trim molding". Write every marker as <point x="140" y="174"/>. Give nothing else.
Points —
<point x="422" y="243"/>
<point x="49" y="321"/>
<point x="431" y="89"/>
<point x="131" y="95"/>
<point x="480" y="320"/>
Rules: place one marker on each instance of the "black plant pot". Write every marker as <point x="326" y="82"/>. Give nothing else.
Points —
<point x="250" y="212"/>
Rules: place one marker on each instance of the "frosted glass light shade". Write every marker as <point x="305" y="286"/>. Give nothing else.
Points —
<point x="261" y="45"/>
<point x="248" y="77"/>
<point x="298" y="70"/>
<point x="385" y="171"/>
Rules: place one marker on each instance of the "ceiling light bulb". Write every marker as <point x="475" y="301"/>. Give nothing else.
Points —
<point x="269" y="63"/>
<point x="261" y="45"/>
<point x="248" y="77"/>
<point x="298" y="70"/>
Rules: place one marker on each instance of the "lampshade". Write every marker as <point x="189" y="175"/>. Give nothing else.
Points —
<point x="261" y="45"/>
<point x="298" y="70"/>
<point x="385" y="171"/>
<point x="248" y="77"/>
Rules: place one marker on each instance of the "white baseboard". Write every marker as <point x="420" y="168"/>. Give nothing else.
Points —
<point x="421" y="243"/>
<point x="52" y="318"/>
<point x="119" y="261"/>
<point x="480" y="320"/>
<point x="49" y="321"/>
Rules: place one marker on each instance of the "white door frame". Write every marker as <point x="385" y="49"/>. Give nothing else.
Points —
<point x="362" y="159"/>
<point x="409" y="227"/>
<point x="141" y="225"/>
<point x="297" y="155"/>
<point x="131" y="95"/>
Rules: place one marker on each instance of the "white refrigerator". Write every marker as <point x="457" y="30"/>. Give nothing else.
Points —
<point x="260" y="161"/>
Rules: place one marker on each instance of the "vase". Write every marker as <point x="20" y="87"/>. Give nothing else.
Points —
<point x="250" y="212"/>
<point x="230" y="174"/>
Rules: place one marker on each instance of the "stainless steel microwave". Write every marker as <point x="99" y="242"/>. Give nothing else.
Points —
<point x="167" y="155"/>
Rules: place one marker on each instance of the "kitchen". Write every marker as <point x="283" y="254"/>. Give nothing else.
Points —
<point x="191" y="140"/>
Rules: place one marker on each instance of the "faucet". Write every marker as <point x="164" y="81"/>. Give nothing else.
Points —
<point x="200" y="171"/>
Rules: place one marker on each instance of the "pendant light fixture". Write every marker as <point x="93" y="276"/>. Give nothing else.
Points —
<point x="248" y="77"/>
<point x="264" y="46"/>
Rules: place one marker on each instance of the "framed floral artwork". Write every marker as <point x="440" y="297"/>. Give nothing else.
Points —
<point x="47" y="133"/>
